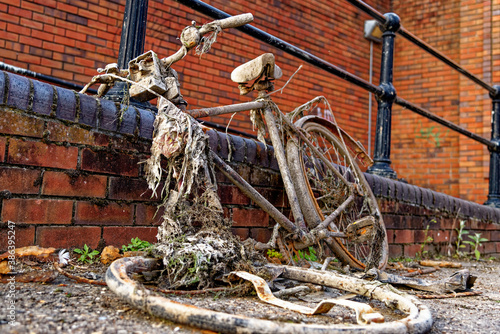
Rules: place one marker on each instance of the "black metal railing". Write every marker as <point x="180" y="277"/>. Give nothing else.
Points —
<point x="385" y="92"/>
<point x="494" y="92"/>
<point x="43" y="77"/>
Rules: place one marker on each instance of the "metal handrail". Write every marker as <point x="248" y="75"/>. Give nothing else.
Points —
<point x="421" y="44"/>
<point x="318" y="62"/>
<point x="281" y="44"/>
<point x="385" y="92"/>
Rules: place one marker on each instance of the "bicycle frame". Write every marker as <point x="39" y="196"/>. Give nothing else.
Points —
<point x="151" y="76"/>
<point x="299" y="229"/>
<point x="304" y="237"/>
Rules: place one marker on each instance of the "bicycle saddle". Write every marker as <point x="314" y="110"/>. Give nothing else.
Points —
<point x="262" y="66"/>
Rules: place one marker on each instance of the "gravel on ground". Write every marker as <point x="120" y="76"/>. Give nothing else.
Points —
<point x="65" y="306"/>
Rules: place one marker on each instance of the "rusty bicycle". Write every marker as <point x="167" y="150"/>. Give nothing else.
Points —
<point x="330" y="200"/>
<point x="334" y="211"/>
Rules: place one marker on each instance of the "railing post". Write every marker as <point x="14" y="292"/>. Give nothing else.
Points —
<point x="131" y="43"/>
<point x="494" y="183"/>
<point x="382" y="152"/>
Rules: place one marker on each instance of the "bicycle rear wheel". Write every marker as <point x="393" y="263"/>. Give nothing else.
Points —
<point x="321" y="191"/>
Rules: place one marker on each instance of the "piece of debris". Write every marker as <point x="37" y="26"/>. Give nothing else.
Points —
<point x="194" y="239"/>
<point x="451" y="295"/>
<point x="40" y="253"/>
<point x="4" y="267"/>
<point x="420" y="272"/>
<point x="292" y="291"/>
<point x="418" y="319"/>
<point x="33" y="276"/>
<point x="109" y="254"/>
<point x="135" y="253"/>
<point x="442" y="264"/>
<point x="64" y="257"/>
<point x="459" y="281"/>
<point x="78" y="279"/>
<point x="364" y="313"/>
<point x="396" y="266"/>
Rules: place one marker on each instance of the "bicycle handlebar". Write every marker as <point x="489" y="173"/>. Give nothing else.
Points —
<point x="230" y="22"/>
<point x="192" y="36"/>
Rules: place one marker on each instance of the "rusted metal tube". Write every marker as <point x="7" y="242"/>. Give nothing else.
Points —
<point x="335" y="213"/>
<point x="248" y="190"/>
<point x="279" y="152"/>
<point x="214" y="111"/>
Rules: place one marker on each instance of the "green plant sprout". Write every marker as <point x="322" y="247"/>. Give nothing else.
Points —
<point x="86" y="254"/>
<point x="136" y="244"/>
<point x="309" y="256"/>
<point x="459" y="243"/>
<point x="476" y="243"/>
<point x="272" y="253"/>
<point x="427" y="240"/>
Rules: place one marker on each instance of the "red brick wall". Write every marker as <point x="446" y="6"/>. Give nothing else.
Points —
<point x="64" y="185"/>
<point x="69" y="175"/>
<point x="425" y="153"/>
<point x="422" y="147"/>
<point x="70" y="39"/>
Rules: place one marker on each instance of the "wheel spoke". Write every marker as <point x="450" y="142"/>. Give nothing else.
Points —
<point x="329" y="192"/>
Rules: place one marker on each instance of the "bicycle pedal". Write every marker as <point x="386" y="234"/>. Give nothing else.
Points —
<point x="361" y="230"/>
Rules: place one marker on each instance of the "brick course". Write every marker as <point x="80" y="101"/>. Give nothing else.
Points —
<point x="35" y="153"/>
<point x="98" y="195"/>
<point x="68" y="237"/>
<point x="103" y="214"/>
<point x="37" y="211"/>
<point x="64" y="184"/>
<point x="69" y="40"/>
<point x="19" y="180"/>
<point x="79" y="155"/>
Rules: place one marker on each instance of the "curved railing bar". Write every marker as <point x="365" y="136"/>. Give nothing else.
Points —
<point x="421" y="44"/>
<point x="318" y="62"/>
<point x="285" y="46"/>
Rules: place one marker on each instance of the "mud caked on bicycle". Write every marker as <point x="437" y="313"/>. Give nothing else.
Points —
<point x="335" y="214"/>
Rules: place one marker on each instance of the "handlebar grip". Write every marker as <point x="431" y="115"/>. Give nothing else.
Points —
<point x="235" y="21"/>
